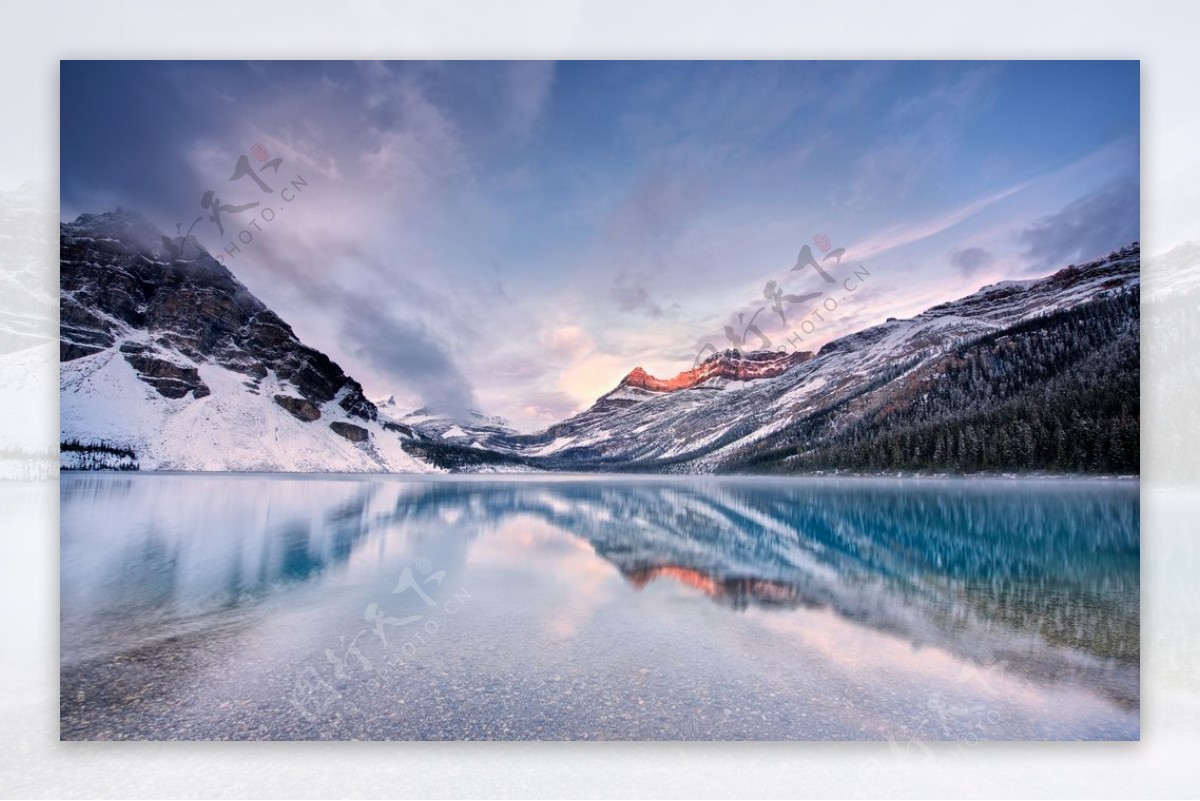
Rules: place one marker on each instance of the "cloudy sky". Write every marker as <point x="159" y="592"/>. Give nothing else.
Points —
<point x="515" y="237"/>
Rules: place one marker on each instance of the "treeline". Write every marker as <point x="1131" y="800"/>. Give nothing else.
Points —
<point x="77" y="454"/>
<point x="1058" y="393"/>
<point x="459" y="457"/>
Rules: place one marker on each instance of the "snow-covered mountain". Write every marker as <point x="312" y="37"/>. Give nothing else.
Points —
<point x="476" y="442"/>
<point x="802" y="410"/>
<point x="169" y="363"/>
<point x="27" y="218"/>
<point x="28" y="223"/>
<point x="477" y="430"/>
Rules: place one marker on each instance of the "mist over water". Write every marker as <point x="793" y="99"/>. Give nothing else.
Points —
<point x="313" y="607"/>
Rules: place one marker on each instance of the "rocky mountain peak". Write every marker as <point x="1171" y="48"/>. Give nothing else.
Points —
<point x="731" y="365"/>
<point x="1007" y="359"/>
<point x="169" y="307"/>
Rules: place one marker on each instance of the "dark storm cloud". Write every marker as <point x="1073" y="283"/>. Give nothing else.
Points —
<point x="971" y="260"/>
<point x="1086" y="228"/>
<point x="404" y="347"/>
<point x="391" y="329"/>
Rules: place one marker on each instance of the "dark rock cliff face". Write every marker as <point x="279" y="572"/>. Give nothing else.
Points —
<point x="121" y="277"/>
<point x="299" y="407"/>
<point x="170" y="379"/>
<point x="349" y="431"/>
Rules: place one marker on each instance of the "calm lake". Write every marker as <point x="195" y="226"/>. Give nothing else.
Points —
<point x="219" y="606"/>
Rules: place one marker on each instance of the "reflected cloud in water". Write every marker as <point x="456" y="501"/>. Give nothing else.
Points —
<point x="1041" y="576"/>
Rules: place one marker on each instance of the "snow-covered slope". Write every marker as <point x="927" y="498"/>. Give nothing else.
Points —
<point x="28" y="221"/>
<point x="477" y="430"/>
<point x="166" y="355"/>
<point x="699" y="425"/>
<point x="104" y="401"/>
<point x="170" y="363"/>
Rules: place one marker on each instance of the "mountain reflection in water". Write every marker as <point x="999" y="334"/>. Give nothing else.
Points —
<point x="1039" y="576"/>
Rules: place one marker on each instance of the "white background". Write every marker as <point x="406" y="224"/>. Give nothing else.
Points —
<point x="1166" y="762"/>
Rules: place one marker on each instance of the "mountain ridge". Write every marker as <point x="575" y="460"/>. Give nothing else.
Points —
<point x="713" y="426"/>
<point x="163" y="349"/>
<point x="730" y="365"/>
<point x="165" y="353"/>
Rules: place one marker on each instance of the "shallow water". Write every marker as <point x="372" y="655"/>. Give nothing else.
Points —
<point x="222" y="606"/>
